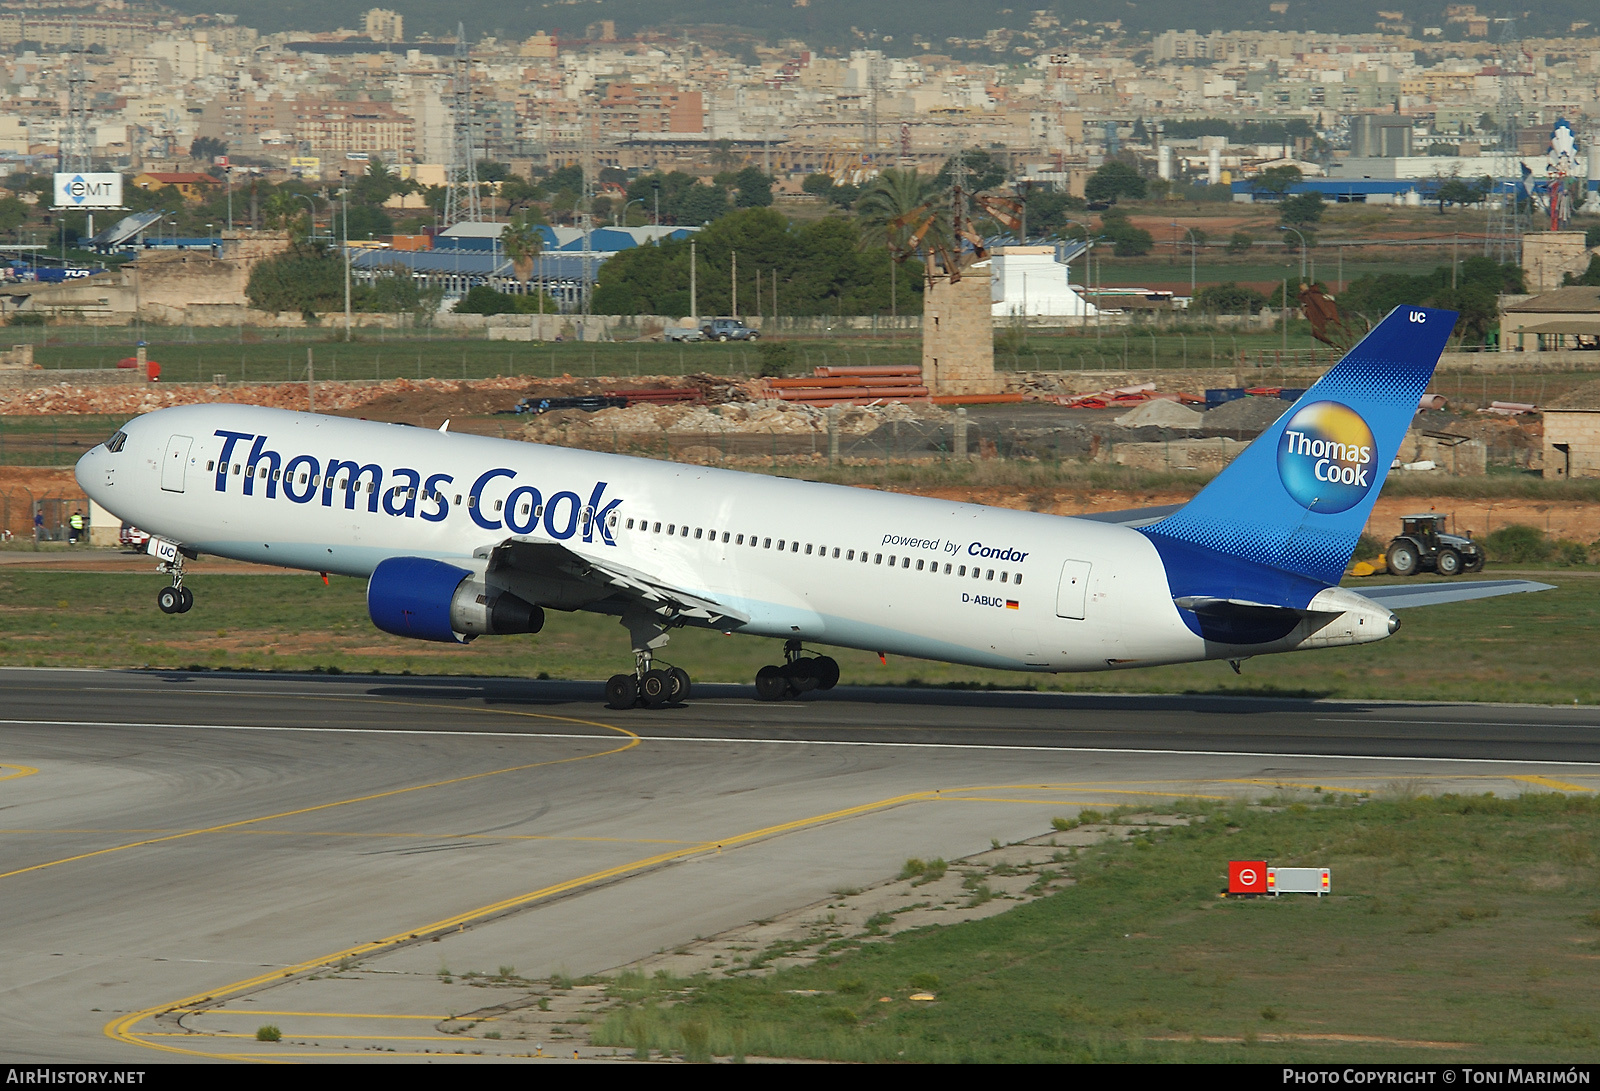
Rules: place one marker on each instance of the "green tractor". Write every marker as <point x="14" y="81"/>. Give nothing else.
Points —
<point x="1421" y="546"/>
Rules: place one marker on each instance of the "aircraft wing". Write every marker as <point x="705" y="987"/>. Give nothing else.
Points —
<point x="1397" y="596"/>
<point x="576" y="576"/>
<point x="1132" y="517"/>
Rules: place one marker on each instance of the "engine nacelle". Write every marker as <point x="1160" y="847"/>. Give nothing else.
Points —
<point x="432" y="600"/>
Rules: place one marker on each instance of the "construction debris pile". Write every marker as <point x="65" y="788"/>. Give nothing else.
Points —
<point x="776" y="417"/>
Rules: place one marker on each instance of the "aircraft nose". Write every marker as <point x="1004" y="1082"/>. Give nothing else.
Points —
<point x="90" y="471"/>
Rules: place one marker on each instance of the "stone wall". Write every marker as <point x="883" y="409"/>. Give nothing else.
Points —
<point x="100" y="376"/>
<point x="958" y="335"/>
<point x="1572" y="443"/>
<point x="1548" y="255"/>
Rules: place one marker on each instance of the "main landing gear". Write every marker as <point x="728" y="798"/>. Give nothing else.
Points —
<point x="176" y="599"/>
<point x="648" y="685"/>
<point x="799" y="674"/>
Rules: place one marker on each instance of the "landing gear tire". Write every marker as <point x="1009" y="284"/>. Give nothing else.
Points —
<point x="826" y="669"/>
<point x="655" y="688"/>
<point x="170" y="599"/>
<point x="802" y="675"/>
<point x="680" y="684"/>
<point x="622" y="691"/>
<point x="1448" y="563"/>
<point x="771" y="684"/>
<point x="188" y="600"/>
<point x="1402" y="559"/>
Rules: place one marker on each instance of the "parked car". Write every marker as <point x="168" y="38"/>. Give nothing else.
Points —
<point x="728" y="329"/>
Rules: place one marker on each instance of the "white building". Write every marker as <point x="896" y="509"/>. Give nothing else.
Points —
<point x="1028" y="281"/>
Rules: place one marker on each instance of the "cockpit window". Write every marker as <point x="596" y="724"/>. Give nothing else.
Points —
<point x="114" y="444"/>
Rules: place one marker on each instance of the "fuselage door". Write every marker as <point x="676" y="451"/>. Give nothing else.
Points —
<point x="176" y="463"/>
<point x="1074" y="590"/>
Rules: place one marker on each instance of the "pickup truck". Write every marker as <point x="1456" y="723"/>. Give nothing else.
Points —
<point x="728" y="329"/>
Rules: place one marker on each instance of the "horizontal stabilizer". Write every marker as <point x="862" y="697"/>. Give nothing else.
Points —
<point x="1132" y="517"/>
<point x="1398" y="596"/>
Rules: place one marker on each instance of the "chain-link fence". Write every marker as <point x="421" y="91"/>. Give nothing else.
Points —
<point x="28" y="518"/>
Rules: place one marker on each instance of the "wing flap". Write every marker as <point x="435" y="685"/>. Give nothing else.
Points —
<point x="556" y="561"/>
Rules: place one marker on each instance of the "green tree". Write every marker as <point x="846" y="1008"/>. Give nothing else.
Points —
<point x="522" y="245"/>
<point x="894" y="194"/>
<point x="1115" y="179"/>
<point x="1301" y="209"/>
<point x="303" y="278"/>
<point x="818" y="185"/>
<point x="1228" y="298"/>
<point x="755" y="188"/>
<point x="13" y="213"/>
<point x="1241" y="242"/>
<point x="1590" y="277"/>
<point x="491" y="171"/>
<point x="207" y="148"/>
<point x="1277" y="180"/>
<point x="984" y="171"/>
<point x="1455" y="191"/>
<point x="482" y="299"/>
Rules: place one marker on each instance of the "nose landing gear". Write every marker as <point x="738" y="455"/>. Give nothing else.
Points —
<point x="799" y="674"/>
<point x="176" y="599"/>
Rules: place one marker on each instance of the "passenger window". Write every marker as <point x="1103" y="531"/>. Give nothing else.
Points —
<point x="905" y="562"/>
<point x="878" y="559"/>
<point x="630" y="524"/>
<point x="891" y="560"/>
<point x="808" y="549"/>
<point x="780" y="545"/>
<point x="236" y="469"/>
<point x="698" y="532"/>
<point x="211" y="464"/>
<point x="836" y="553"/>
<point x="458" y="497"/>
<point x="472" y="501"/>
<point x="525" y="508"/>
<point x="658" y="528"/>
<point x="850" y="555"/>
<point x="991" y="573"/>
<point x="963" y="571"/>
<point x="1018" y="578"/>
<point x="686" y="532"/>
<point x="946" y="570"/>
<point x="1002" y="577"/>
<point x="411" y="494"/>
<point x="919" y="564"/>
<point x="724" y="537"/>
<point x="672" y="528"/>
<point x="768" y="544"/>
<point x="739" y="540"/>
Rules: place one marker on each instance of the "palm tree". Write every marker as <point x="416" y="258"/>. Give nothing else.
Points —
<point x="902" y="210"/>
<point x="522" y="245"/>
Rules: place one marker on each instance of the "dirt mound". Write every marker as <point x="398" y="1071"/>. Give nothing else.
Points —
<point x="1245" y="415"/>
<point x="1161" y="413"/>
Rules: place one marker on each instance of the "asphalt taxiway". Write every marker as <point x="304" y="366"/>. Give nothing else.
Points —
<point x="186" y="856"/>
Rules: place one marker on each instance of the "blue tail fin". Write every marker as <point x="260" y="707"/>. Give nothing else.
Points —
<point x="1281" y="521"/>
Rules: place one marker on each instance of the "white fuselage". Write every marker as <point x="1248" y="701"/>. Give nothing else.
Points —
<point x="851" y="567"/>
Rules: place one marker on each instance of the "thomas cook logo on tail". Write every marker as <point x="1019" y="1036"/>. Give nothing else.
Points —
<point x="1327" y="458"/>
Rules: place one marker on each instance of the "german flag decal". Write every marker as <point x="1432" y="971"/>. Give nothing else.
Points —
<point x="1011" y="604"/>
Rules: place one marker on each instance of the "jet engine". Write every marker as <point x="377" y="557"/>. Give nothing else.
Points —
<point x="432" y="600"/>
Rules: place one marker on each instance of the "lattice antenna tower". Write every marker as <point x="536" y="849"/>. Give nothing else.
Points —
<point x="75" y="145"/>
<point x="461" y="204"/>
<point x="1503" y="241"/>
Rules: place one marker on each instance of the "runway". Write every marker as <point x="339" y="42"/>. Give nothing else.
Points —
<point x="174" y="841"/>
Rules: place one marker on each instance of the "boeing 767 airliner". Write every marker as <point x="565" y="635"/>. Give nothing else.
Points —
<point x="462" y="536"/>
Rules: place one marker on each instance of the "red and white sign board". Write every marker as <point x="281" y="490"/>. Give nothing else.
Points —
<point x="1247" y="876"/>
<point x="1300" y="880"/>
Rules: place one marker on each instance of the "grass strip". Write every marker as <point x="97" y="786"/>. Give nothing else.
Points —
<point x="1460" y="928"/>
<point x="1525" y="648"/>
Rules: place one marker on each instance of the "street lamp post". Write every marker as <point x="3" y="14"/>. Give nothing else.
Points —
<point x="622" y="217"/>
<point x="1303" y="246"/>
<point x="210" y="242"/>
<point x="344" y="215"/>
<point x="312" y="207"/>
<point x="1190" y="232"/>
<point x="655" y="187"/>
